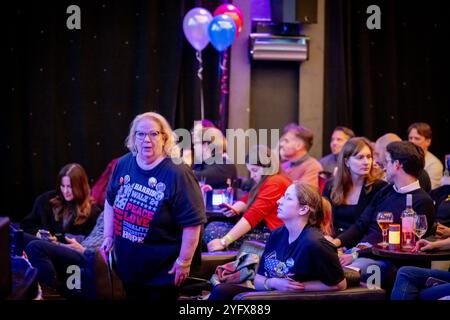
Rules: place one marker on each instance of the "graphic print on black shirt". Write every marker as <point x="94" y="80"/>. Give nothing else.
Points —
<point x="307" y="258"/>
<point x="135" y="206"/>
<point x="277" y="269"/>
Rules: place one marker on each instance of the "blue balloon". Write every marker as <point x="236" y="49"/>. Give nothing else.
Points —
<point x="222" y="31"/>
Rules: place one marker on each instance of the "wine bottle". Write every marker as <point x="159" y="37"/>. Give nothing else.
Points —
<point x="408" y="217"/>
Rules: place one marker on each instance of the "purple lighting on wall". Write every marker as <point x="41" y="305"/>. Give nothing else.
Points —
<point x="260" y="10"/>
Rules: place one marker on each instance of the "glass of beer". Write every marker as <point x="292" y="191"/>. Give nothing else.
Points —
<point x="384" y="218"/>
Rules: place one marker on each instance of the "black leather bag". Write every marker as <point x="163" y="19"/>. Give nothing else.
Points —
<point x="102" y="282"/>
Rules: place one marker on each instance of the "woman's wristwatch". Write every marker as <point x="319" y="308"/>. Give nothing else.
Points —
<point x="223" y="242"/>
<point x="226" y="240"/>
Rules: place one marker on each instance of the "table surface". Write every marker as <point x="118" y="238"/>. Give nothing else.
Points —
<point x="408" y="255"/>
<point x="216" y="214"/>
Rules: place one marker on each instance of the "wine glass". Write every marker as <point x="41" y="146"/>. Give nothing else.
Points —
<point x="420" y="225"/>
<point x="384" y="218"/>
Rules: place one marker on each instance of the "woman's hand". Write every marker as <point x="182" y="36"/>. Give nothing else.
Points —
<point x="215" y="245"/>
<point x="181" y="270"/>
<point x="334" y="241"/>
<point x="206" y="188"/>
<point x="107" y="245"/>
<point x="345" y="259"/>
<point x="442" y="232"/>
<point x="74" y="245"/>
<point x="285" y="284"/>
<point x="423" y="245"/>
<point x="228" y="210"/>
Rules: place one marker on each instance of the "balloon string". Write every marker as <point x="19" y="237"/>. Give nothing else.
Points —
<point x="223" y="65"/>
<point x="200" y="76"/>
<point x="224" y="68"/>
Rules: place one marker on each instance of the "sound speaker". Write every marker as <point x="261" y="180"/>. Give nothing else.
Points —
<point x="290" y="11"/>
<point x="306" y="11"/>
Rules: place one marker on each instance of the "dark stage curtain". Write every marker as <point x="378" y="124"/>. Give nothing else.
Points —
<point x="71" y="94"/>
<point x="380" y="81"/>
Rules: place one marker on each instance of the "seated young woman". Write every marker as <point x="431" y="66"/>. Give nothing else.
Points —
<point x="354" y="184"/>
<point x="67" y="210"/>
<point x="53" y="259"/>
<point x="297" y="257"/>
<point x="258" y="206"/>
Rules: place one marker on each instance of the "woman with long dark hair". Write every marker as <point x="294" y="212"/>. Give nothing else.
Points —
<point x="353" y="187"/>
<point x="68" y="209"/>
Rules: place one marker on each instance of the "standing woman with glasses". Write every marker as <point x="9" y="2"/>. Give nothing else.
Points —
<point x="154" y="212"/>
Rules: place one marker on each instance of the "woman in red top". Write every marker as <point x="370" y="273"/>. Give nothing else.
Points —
<point x="258" y="206"/>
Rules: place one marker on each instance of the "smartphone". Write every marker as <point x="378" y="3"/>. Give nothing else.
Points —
<point x="61" y="238"/>
<point x="45" y="234"/>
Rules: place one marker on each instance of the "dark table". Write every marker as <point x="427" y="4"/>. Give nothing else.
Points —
<point x="411" y="256"/>
<point x="215" y="214"/>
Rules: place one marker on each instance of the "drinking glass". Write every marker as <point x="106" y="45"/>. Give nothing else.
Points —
<point x="420" y="225"/>
<point x="384" y="218"/>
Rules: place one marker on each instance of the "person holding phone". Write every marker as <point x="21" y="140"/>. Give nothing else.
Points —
<point x="67" y="210"/>
<point x="52" y="260"/>
<point x="258" y="206"/>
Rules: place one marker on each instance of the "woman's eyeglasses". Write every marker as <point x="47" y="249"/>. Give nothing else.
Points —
<point x="140" y="135"/>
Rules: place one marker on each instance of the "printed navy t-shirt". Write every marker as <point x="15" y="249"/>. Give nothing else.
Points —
<point x="309" y="257"/>
<point x="151" y="207"/>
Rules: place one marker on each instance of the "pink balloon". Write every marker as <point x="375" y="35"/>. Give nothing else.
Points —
<point x="195" y="27"/>
<point x="232" y="11"/>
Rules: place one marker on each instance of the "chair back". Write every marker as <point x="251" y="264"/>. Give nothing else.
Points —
<point x="252" y="246"/>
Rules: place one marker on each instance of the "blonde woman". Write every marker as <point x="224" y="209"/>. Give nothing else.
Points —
<point x="296" y="257"/>
<point x="153" y="212"/>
